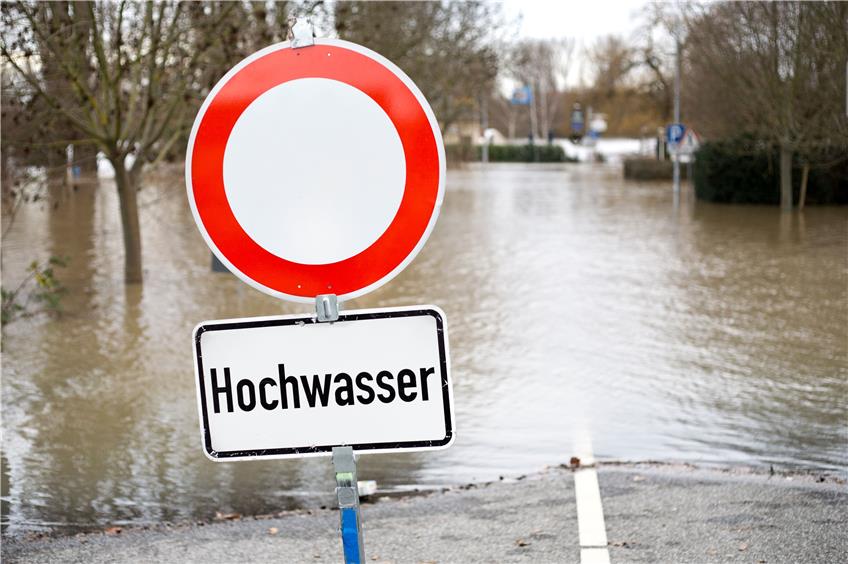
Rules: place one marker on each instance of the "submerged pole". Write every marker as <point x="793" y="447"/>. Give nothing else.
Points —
<point x="676" y="155"/>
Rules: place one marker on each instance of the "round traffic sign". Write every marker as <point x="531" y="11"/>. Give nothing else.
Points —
<point x="316" y="170"/>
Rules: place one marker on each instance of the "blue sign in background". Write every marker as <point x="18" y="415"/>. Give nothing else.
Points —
<point x="577" y="121"/>
<point x="522" y="96"/>
<point x="674" y="133"/>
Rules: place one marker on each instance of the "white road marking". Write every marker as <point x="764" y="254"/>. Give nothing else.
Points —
<point x="594" y="556"/>
<point x="590" y="512"/>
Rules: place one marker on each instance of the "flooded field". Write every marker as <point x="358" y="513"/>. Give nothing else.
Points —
<point x="581" y="308"/>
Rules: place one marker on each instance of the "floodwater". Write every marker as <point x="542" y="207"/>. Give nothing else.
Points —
<point x="581" y="308"/>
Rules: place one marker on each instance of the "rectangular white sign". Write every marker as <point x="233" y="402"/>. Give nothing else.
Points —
<point x="289" y="386"/>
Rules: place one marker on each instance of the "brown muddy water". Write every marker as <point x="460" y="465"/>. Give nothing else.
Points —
<point x="581" y="307"/>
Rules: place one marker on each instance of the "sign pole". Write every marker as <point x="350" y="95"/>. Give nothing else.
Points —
<point x="344" y="463"/>
<point x="484" y="125"/>
<point x="533" y="124"/>
<point x="350" y="522"/>
<point x="676" y="154"/>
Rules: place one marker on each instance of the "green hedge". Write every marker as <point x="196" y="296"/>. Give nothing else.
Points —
<point x="510" y="153"/>
<point x="640" y="168"/>
<point x="525" y="154"/>
<point x="745" y="171"/>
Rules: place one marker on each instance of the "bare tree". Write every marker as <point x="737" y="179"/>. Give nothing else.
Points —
<point x="129" y="67"/>
<point x="503" y="115"/>
<point x="654" y="53"/>
<point x="34" y="135"/>
<point x="775" y="70"/>
<point x="247" y="27"/>
<point x="447" y="48"/>
<point x="543" y="64"/>
<point x="612" y="60"/>
<point x="616" y="88"/>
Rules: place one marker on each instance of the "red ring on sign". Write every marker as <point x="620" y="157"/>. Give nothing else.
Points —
<point x="420" y="149"/>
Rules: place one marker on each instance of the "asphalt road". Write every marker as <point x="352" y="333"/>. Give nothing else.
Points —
<point x="653" y="514"/>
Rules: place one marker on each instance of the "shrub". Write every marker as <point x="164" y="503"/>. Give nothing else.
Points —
<point x="459" y="153"/>
<point x="509" y="153"/>
<point x="525" y="154"/>
<point x="746" y="171"/>
<point x="39" y="291"/>
<point x="639" y="168"/>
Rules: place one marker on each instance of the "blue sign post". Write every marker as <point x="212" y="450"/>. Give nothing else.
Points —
<point x="350" y="524"/>
<point x="523" y="96"/>
<point x="674" y="134"/>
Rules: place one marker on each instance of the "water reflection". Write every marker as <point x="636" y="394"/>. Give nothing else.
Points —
<point x="579" y="306"/>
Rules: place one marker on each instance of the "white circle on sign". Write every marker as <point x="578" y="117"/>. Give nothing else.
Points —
<point x="276" y="171"/>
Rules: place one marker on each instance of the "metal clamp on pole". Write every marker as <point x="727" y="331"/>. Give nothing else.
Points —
<point x="327" y="307"/>
<point x="350" y="524"/>
<point x="300" y="33"/>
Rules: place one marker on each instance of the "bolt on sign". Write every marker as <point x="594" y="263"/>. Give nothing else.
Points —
<point x="316" y="174"/>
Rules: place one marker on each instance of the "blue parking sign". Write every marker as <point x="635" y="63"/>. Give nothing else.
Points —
<point x="674" y="133"/>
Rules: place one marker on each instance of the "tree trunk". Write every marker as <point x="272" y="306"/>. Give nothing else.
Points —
<point x="128" y="197"/>
<point x="543" y="106"/>
<point x="85" y="157"/>
<point x="57" y="173"/>
<point x="805" y="174"/>
<point x="7" y="177"/>
<point x="785" y="178"/>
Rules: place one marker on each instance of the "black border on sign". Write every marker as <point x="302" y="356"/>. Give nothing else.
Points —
<point x="310" y="320"/>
